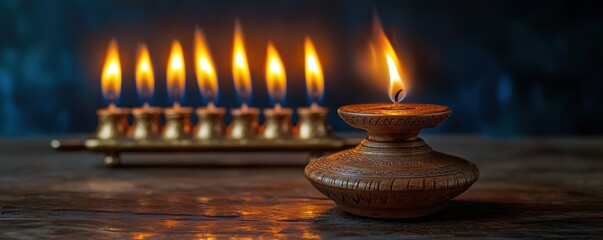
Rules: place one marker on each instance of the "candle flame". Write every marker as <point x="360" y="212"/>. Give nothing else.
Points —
<point x="145" y="78"/>
<point x="314" y="77"/>
<point x="204" y="66"/>
<point x="176" y="73"/>
<point x="276" y="78"/>
<point x="111" y="77"/>
<point x="383" y="51"/>
<point x="240" y="68"/>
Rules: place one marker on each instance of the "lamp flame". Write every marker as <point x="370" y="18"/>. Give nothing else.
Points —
<point x="276" y="78"/>
<point x="145" y="78"/>
<point x="111" y="77"/>
<point x="383" y="51"/>
<point x="314" y="77"/>
<point x="176" y="73"/>
<point x="204" y="66"/>
<point x="240" y="68"/>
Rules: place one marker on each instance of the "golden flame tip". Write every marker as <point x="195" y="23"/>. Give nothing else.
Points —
<point x="383" y="50"/>
<point x="240" y="67"/>
<point x="111" y="76"/>
<point x="314" y="75"/>
<point x="276" y="78"/>
<point x="204" y="66"/>
<point x="176" y="72"/>
<point x="145" y="78"/>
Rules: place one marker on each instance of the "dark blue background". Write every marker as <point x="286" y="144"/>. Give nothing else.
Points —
<point x="506" y="68"/>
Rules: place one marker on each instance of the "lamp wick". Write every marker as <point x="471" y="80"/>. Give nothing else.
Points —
<point x="397" y="96"/>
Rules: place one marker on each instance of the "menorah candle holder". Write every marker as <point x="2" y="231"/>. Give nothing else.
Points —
<point x="147" y="123"/>
<point x="210" y="123"/>
<point x="392" y="173"/>
<point x="112" y="123"/>
<point x="177" y="123"/>
<point x="112" y="136"/>
<point x="244" y="124"/>
<point x="277" y="123"/>
<point x="312" y="123"/>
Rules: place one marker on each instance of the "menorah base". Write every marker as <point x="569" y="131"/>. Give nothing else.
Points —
<point x="113" y="148"/>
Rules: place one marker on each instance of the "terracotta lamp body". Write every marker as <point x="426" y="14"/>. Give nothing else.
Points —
<point x="392" y="173"/>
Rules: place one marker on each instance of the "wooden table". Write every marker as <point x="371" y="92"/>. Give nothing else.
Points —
<point x="527" y="188"/>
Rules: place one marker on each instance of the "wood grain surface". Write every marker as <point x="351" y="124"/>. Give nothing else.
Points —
<point x="543" y="188"/>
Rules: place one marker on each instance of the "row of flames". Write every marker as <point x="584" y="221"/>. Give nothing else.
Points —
<point x="381" y="51"/>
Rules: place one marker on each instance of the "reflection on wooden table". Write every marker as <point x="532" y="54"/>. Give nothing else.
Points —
<point x="528" y="187"/>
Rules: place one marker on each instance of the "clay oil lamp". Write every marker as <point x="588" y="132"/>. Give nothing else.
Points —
<point x="147" y="119"/>
<point x="112" y="121"/>
<point x="312" y="121"/>
<point x="244" y="124"/>
<point x="392" y="173"/>
<point x="177" y="118"/>
<point x="210" y="123"/>
<point x="277" y="123"/>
